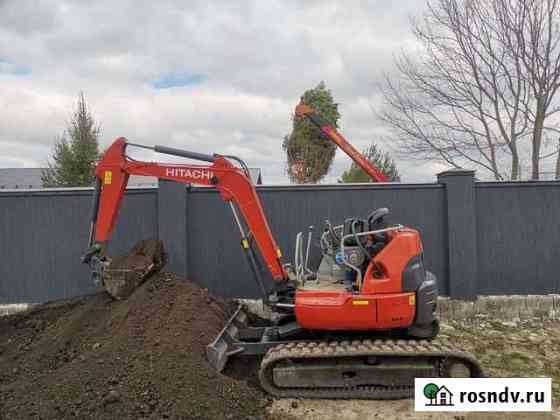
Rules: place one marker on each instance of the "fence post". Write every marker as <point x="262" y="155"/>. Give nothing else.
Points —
<point x="461" y="233"/>
<point x="172" y="224"/>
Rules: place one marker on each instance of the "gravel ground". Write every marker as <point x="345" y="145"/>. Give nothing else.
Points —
<point x="529" y="348"/>
<point x="12" y="308"/>
<point x="383" y="410"/>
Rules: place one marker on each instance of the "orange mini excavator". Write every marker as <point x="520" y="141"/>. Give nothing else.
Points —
<point x="367" y="337"/>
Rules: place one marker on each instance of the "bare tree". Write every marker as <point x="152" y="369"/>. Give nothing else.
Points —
<point x="468" y="96"/>
<point x="536" y="26"/>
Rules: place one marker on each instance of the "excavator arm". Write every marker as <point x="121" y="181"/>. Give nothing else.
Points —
<point x="305" y="111"/>
<point x="233" y="183"/>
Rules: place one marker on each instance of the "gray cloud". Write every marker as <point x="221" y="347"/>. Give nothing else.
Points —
<point x="255" y="59"/>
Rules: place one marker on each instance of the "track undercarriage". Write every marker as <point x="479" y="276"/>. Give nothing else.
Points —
<point x="329" y="365"/>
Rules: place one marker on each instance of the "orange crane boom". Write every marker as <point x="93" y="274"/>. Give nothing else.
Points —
<point x="305" y="111"/>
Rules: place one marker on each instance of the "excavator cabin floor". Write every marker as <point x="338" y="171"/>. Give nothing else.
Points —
<point x="324" y="284"/>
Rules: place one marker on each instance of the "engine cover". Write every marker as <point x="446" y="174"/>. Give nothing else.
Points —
<point x="328" y="310"/>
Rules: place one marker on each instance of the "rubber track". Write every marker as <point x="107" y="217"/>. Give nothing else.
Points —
<point x="437" y="349"/>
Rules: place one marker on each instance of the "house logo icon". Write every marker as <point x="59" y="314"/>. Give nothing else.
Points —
<point x="438" y="396"/>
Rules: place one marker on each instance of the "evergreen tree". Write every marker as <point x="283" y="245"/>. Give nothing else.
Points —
<point x="381" y="160"/>
<point x="309" y="155"/>
<point x="75" y="152"/>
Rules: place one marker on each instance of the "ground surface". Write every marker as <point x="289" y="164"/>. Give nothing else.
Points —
<point x="140" y="358"/>
<point x="144" y="358"/>
<point x="529" y="348"/>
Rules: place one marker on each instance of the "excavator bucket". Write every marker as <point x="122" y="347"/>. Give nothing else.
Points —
<point x="125" y="273"/>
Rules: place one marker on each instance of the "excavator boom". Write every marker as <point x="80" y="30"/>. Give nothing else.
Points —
<point x="305" y="111"/>
<point x="233" y="183"/>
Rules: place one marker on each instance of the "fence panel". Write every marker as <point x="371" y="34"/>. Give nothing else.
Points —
<point x="43" y="235"/>
<point x="518" y="238"/>
<point x="216" y="260"/>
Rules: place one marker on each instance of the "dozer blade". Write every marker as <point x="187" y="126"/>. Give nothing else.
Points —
<point x="224" y="345"/>
<point x="125" y="273"/>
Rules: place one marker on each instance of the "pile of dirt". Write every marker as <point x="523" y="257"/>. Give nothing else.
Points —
<point x="94" y="357"/>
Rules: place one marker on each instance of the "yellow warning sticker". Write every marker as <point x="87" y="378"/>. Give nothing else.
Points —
<point x="108" y="177"/>
<point x="245" y="243"/>
<point x="412" y="300"/>
<point x="360" y="302"/>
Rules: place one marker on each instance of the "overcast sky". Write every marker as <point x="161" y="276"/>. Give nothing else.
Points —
<point x="209" y="76"/>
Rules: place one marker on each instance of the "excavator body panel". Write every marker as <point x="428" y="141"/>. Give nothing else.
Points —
<point x="382" y="303"/>
<point x="334" y="311"/>
<point x="385" y="273"/>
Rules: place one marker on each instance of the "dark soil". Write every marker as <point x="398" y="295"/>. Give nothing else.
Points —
<point x="126" y="273"/>
<point x="143" y="357"/>
<point x="144" y="253"/>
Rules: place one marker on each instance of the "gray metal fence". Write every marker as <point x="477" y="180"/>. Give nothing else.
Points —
<point x="479" y="238"/>
<point x="43" y="235"/>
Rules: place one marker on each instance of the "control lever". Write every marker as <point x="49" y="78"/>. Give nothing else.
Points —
<point x="309" y="236"/>
<point x="332" y="232"/>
